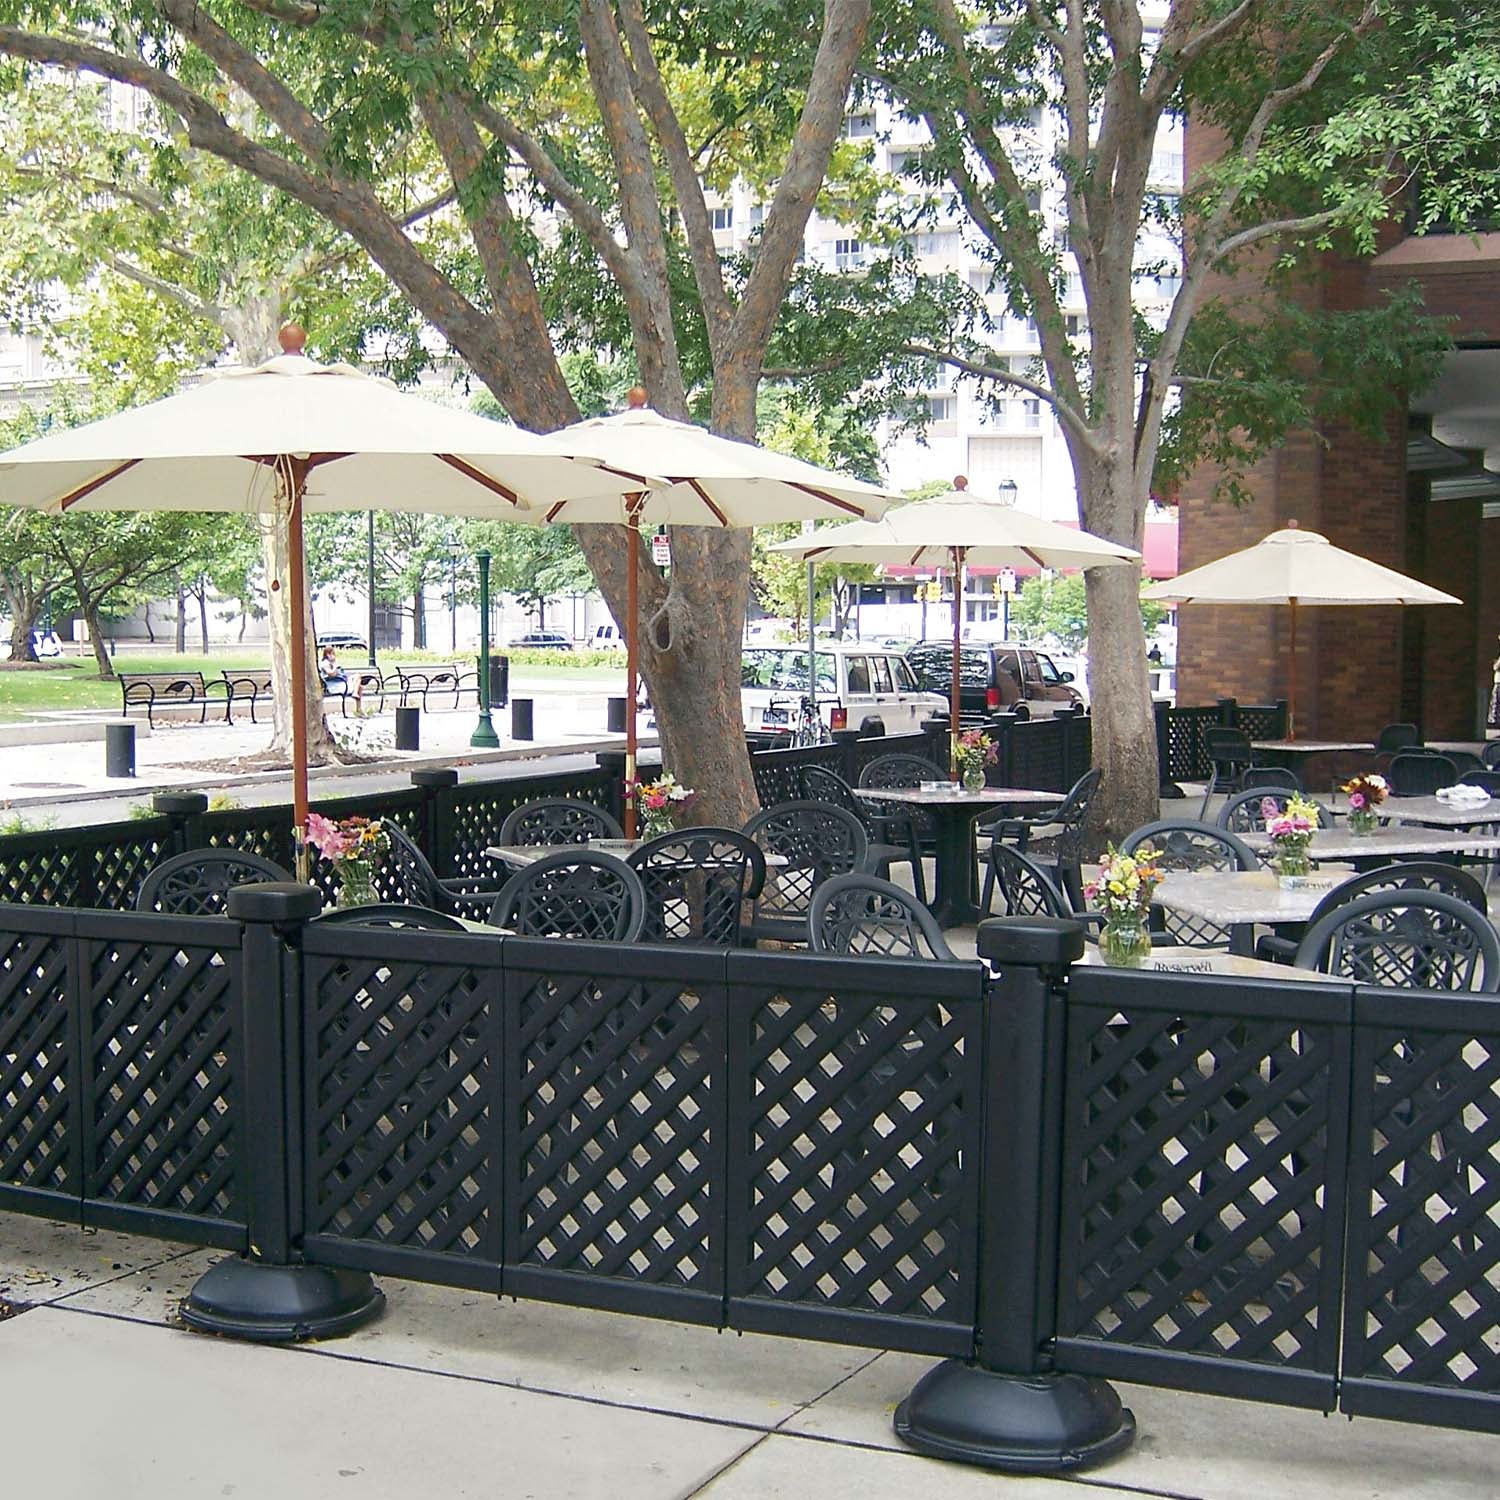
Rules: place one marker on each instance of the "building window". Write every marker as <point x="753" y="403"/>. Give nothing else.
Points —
<point x="848" y="255"/>
<point x="859" y="127"/>
<point x="723" y="218"/>
<point x="906" y="163"/>
<point x="1033" y="414"/>
<point x="757" y="215"/>
<point x="942" y="408"/>
<point x="1074" y="325"/>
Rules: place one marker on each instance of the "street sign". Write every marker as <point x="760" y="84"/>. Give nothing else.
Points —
<point x="661" y="550"/>
<point x="1007" y="580"/>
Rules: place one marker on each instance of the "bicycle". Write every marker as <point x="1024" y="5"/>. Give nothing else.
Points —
<point x="809" y="728"/>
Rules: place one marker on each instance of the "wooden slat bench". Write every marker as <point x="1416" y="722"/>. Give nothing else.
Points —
<point x="252" y="686"/>
<point x="438" y="682"/>
<point x="368" y="684"/>
<point x="162" y="690"/>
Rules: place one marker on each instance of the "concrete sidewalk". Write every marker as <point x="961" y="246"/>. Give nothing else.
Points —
<point x="455" y="1394"/>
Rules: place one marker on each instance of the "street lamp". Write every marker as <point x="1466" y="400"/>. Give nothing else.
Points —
<point x="484" y="736"/>
<point x="1009" y="489"/>
<point x="370" y="589"/>
<point x="453" y="597"/>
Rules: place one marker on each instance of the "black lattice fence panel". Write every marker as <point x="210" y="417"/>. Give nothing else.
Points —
<point x="83" y="867"/>
<point x="401" y="1121"/>
<point x="266" y="831"/>
<point x="1261" y="721"/>
<point x="862" y="752"/>
<point x="122" y="860"/>
<point x="853" y="1138"/>
<point x="161" y="1032"/>
<point x="40" y="1167"/>
<point x="1186" y="756"/>
<point x="1038" y="757"/>
<point x="475" y="811"/>
<point x="1422" y="1317"/>
<point x="614" y="1127"/>
<point x="1205" y="1125"/>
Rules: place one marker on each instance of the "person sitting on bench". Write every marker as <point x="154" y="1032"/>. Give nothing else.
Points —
<point x="335" y="680"/>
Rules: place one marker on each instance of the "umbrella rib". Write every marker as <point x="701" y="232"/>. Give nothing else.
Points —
<point x="1032" y="555"/>
<point x="697" y="488"/>
<point x="827" y="499"/>
<point x="480" y="478"/>
<point x="84" y="490"/>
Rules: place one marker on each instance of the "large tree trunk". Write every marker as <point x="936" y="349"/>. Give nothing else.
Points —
<point x="321" y="747"/>
<point x="418" y="620"/>
<point x="180" y="636"/>
<point x="96" y="637"/>
<point x="24" y="605"/>
<point x="203" y="612"/>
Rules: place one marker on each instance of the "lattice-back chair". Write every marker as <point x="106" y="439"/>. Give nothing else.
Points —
<point x="198" y="883"/>
<point x="913" y="827"/>
<point x="862" y="916"/>
<point x="1489" y="780"/>
<point x="1063" y="828"/>
<point x="1230" y="755"/>
<point x="888" y="845"/>
<point x="1184" y="845"/>
<point x="1396" y="737"/>
<point x="1406" y="875"/>
<point x="1421" y="940"/>
<point x="406" y="876"/>
<point x="1419" y="773"/>
<point x="557" y="820"/>
<point x="697" y="882"/>
<point x="817" y="841"/>
<point x="1277" y="778"/>
<point x="589" y="895"/>
<point x="392" y="914"/>
<point x="1023" y="887"/>
<point x="1245" y="811"/>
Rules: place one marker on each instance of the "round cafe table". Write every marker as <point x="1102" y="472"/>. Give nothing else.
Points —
<point x="954" y="813"/>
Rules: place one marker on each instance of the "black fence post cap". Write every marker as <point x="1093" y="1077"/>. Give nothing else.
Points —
<point x="281" y="901"/>
<point x="179" y="804"/>
<point x="1031" y="942"/>
<point x="435" y="776"/>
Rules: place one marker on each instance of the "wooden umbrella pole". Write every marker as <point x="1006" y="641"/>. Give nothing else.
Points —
<point x="1291" y="692"/>
<point x="632" y="627"/>
<point x="295" y="476"/>
<point x="955" y="693"/>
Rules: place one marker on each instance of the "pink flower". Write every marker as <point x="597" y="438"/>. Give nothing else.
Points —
<point x="1356" y="799"/>
<point x="1269" y="808"/>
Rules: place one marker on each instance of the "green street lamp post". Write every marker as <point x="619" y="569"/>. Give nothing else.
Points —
<point x="484" y="736"/>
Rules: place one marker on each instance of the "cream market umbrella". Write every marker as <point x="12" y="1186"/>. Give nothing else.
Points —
<point x="952" y="530"/>
<point x="290" y="436"/>
<point x="709" y="481"/>
<point x="1295" y="568"/>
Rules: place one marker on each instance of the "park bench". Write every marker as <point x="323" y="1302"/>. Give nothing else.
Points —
<point x="429" y="682"/>
<point x="163" y="690"/>
<point x="368" y="684"/>
<point x="252" y="686"/>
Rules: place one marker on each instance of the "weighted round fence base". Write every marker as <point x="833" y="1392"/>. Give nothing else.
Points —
<point x="271" y="1304"/>
<point x="1024" y="1424"/>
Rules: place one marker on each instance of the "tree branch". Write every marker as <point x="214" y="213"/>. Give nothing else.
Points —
<point x="200" y="307"/>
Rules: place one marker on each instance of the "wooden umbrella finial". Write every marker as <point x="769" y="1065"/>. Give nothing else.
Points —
<point x="636" y="397"/>
<point x="292" y="338"/>
<point x="960" y="482"/>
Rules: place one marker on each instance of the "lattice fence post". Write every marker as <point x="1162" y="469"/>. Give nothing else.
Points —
<point x="435" y="823"/>
<point x="1229" y="713"/>
<point x="185" y="810"/>
<point x="271" y="1295"/>
<point x="1009" y="1408"/>
<point x="847" y="743"/>
<point x="612" y="763"/>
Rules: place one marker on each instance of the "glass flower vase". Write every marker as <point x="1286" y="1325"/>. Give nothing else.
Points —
<point x="1363" y="821"/>
<point x="1291" y="862"/>
<point x="656" y="825"/>
<point x="1124" y="940"/>
<point x="971" y="776"/>
<point x="356" y="882"/>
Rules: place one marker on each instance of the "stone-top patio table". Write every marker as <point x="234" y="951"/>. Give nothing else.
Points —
<point x="1439" y="813"/>
<point x="954" y="811"/>
<point x="1241" y="899"/>
<point x="1292" y="753"/>
<point x="1168" y="960"/>
<point x="1393" y="841"/>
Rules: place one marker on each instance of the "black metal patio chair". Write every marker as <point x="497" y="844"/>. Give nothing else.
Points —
<point x="1245" y="811"/>
<point x="198" y="882"/>
<point x="405" y="875"/>
<point x="889" y="837"/>
<point x="392" y="914"/>
<point x="1062" y="828"/>
<point x="1184" y="845"/>
<point x="697" y="884"/>
<point x="1230" y="755"/>
<point x="1419" y="773"/>
<point x="814" y="842"/>
<point x="1274" y="778"/>
<point x="864" y="916"/>
<point x="557" y="820"/>
<point x="589" y="895"/>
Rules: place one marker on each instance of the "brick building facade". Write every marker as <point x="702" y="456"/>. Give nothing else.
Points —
<point x="1412" y="501"/>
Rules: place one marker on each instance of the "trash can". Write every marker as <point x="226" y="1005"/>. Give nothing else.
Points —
<point x="119" y="749"/>
<point x="499" y="680"/>
<point x="408" y="728"/>
<point x="522" y="726"/>
<point x="615" y="721"/>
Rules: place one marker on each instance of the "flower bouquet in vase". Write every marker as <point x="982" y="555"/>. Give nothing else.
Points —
<point x="1365" y="794"/>
<point x="660" y="803"/>
<point x="354" y="847"/>
<point x="1122" y="893"/>
<point x="973" y="751"/>
<point x="1290" y="830"/>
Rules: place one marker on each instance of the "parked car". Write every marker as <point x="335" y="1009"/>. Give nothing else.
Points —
<point x="607" y="638"/>
<point x="866" y="682"/>
<point x="994" y="674"/>
<point x="343" y="640"/>
<point x="543" y="640"/>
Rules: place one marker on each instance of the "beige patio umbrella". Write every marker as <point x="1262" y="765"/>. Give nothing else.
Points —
<point x="289" y="436"/>
<point x="952" y="530"/>
<point x="709" y="481"/>
<point x="1295" y="568"/>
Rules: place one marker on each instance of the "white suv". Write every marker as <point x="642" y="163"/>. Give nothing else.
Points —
<point x="866" y="682"/>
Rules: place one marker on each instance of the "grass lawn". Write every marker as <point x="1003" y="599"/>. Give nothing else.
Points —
<point x="72" y="682"/>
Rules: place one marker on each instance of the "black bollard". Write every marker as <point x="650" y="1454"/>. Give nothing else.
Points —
<point x="119" y="749"/>
<point x="615" y="720"/>
<point x="522" y="719"/>
<point x="408" y="729"/>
